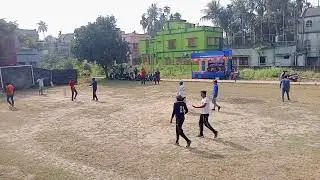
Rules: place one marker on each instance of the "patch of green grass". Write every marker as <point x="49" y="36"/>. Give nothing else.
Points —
<point x="178" y="71"/>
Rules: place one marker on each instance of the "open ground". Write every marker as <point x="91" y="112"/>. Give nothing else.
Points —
<point x="127" y="135"/>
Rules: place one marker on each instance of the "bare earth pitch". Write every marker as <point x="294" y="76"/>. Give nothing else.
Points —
<point x="127" y="135"/>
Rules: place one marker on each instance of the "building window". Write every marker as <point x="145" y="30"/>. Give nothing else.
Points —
<point x="262" y="60"/>
<point x="307" y="45"/>
<point x="243" y="61"/>
<point x="192" y="42"/>
<point x="286" y="57"/>
<point x="309" y="23"/>
<point x="172" y="44"/>
<point x="211" y="41"/>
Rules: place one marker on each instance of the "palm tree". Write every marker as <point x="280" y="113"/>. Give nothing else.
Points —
<point x="211" y="13"/>
<point x="153" y="14"/>
<point x="177" y="16"/>
<point x="42" y="27"/>
<point x="167" y="11"/>
<point x="144" y="22"/>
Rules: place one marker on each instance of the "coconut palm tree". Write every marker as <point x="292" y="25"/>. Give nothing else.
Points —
<point x="42" y="27"/>
<point x="167" y="11"/>
<point x="177" y="16"/>
<point x="144" y="22"/>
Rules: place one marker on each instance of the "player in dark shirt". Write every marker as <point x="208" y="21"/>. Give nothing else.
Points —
<point x="94" y="86"/>
<point x="179" y="110"/>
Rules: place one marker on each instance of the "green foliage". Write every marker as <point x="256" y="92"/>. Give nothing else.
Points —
<point x="177" y="71"/>
<point x="265" y="73"/>
<point x="155" y="18"/>
<point x="184" y="71"/>
<point x="274" y="73"/>
<point x="7" y="28"/>
<point x="85" y="69"/>
<point x="258" y="17"/>
<point x="42" y="27"/>
<point x="100" y="42"/>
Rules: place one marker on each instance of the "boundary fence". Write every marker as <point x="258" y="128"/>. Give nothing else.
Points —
<point x="26" y="76"/>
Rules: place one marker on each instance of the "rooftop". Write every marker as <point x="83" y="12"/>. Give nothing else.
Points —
<point x="311" y="12"/>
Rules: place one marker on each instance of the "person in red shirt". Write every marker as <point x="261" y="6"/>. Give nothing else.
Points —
<point x="10" y="94"/>
<point x="143" y="76"/>
<point x="74" y="92"/>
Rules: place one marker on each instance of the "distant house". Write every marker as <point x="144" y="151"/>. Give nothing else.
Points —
<point x="133" y="41"/>
<point x="32" y="34"/>
<point x="28" y="56"/>
<point x="309" y="36"/>
<point x="64" y="45"/>
<point x="60" y="46"/>
<point x="265" y="57"/>
<point x="8" y="50"/>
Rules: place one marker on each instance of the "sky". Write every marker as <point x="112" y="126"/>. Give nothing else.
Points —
<point x="66" y="15"/>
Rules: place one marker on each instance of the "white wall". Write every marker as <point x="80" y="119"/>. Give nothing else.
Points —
<point x="273" y="56"/>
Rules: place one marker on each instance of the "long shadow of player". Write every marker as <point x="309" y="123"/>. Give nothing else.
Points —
<point x="206" y="154"/>
<point x="231" y="144"/>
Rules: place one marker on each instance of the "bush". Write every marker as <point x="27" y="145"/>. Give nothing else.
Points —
<point x="265" y="73"/>
<point x="84" y="68"/>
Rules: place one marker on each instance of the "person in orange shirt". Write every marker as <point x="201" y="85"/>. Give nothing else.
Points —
<point x="10" y="94"/>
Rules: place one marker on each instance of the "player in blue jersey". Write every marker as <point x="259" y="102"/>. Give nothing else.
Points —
<point x="94" y="86"/>
<point x="179" y="110"/>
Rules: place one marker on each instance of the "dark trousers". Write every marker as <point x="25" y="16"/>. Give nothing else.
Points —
<point x="74" y="93"/>
<point x="204" y="120"/>
<point x="179" y="130"/>
<point x="285" y="92"/>
<point x="156" y="80"/>
<point x="94" y="97"/>
<point x="143" y="80"/>
<point x="10" y="100"/>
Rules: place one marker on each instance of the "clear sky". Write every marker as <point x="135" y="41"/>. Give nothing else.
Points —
<point x="66" y="15"/>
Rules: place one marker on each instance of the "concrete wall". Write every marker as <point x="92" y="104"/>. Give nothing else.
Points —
<point x="279" y="56"/>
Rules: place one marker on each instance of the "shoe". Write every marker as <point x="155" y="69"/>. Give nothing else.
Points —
<point x="200" y="136"/>
<point x="188" y="144"/>
<point x="213" y="109"/>
<point x="177" y="144"/>
<point x="216" y="134"/>
<point x="219" y="108"/>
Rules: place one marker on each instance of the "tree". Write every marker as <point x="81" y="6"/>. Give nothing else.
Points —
<point x="42" y="27"/>
<point x="100" y="42"/>
<point x="177" y="16"/>
<point x="7" y="28"/>
<point x="154" y="20"/>
<point x="256" y="22"/>
<point x="144" y="22"/>
<point x="167" y="11"/>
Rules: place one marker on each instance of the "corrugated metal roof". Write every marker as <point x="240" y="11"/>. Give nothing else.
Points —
<point x="310" y="12"/>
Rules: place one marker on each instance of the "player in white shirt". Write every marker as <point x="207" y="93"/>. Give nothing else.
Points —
<point x="41" y="85"/>
<point x="181" y="90"/>
<point x="204" y="117"/>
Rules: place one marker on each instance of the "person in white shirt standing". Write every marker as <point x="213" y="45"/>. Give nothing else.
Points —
<point x="181" y="91"/>
<point x="204" y="117"/>
<point x="41" y="85"/>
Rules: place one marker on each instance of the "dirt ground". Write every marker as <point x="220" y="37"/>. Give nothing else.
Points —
<point x="127" y="135"/>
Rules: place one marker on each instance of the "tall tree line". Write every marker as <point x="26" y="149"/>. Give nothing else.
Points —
<point x="155" y="18"/>
<point x="256" y="22"/>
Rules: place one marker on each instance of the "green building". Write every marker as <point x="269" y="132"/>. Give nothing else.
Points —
<point x="178" y="39"/>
